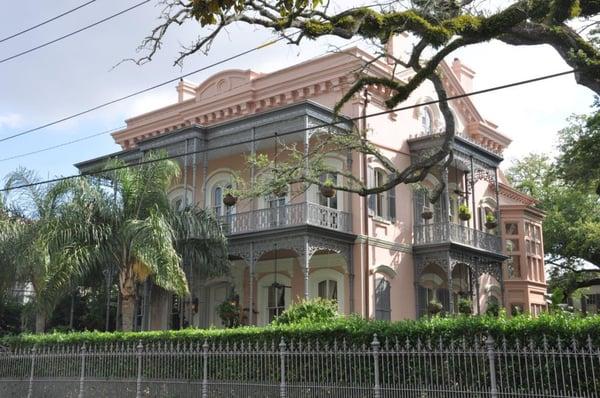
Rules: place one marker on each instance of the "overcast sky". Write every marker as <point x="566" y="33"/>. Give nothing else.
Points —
<point x="77" y="73"/>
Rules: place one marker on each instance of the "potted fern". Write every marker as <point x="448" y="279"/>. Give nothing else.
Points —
<point x="464" y="213"/>
<point x="490" y="221"/>
<point x="327" y="189"/>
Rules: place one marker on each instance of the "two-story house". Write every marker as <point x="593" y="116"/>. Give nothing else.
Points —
<point x="387" y="256"/>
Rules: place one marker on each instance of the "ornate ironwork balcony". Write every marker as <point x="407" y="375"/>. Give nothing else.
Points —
<point x="435" y="233"/>
<point x="287" y="216"/>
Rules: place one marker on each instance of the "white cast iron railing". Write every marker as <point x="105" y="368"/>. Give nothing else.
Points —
<point x="479" y="367"/>
<point x="287" y="216"/>
<point x="450" y="232"/>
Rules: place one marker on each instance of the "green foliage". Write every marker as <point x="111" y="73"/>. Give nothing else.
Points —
<point x="229" y="312"/>
<point x="357" y="330"/>
<point x="489" y="217"/>
<point x="572" y="222"/>
<point x="493" y="308"/>
<point x="464" y="212"/>
<point x="465" y="306"/>
<point x="10" y="315"/>
<point x="314" y="311"/>
<point x="434" y="307"/>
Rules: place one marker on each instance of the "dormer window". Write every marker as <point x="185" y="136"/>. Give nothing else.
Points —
<point x="426" y="121"/>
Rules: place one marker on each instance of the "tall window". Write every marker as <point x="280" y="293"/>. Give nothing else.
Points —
<point x="426" y="121"/>
<point x="379" y="197"/>
<point x="327" y="289"/>
<point x="382" y="299"/>
<point x="218" y="200"/>
<point x="275" y="301"/>
<point x="277" y="210"/>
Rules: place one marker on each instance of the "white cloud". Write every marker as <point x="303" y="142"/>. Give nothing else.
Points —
<point x="11" y="120"/>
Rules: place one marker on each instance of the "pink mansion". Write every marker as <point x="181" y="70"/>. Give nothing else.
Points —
<point x="387" y="256"/>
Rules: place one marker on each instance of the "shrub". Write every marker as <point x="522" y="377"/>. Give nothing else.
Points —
<point x="355" y="330"/>
<point x="313" y="311"/>
<point x="465" y="306"/>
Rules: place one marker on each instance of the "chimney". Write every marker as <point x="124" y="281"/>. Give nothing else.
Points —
<point x="185" y="90"/>
<point x="464" y="75"/>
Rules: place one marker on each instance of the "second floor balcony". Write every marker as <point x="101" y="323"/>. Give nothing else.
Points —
<point x="449" y="232"/>
<point x="284" y="216"/>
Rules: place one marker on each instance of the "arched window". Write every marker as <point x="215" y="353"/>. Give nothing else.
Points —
<point x="328" y="290"/>
<point x="217" y="200"/>
<point x="426" y="121"/>
<point x="180" y="197"/>
<point x="382" y="298"/>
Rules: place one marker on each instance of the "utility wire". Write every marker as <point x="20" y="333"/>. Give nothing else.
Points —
<point x="45" y="22"/>
<point x="74" y="32"/>
<point x="277" y="135"/>
<point x="145" y="90"/>
<point x="87" y="137"/>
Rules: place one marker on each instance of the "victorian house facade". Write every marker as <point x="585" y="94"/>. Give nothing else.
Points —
<point x="387" y="256"/>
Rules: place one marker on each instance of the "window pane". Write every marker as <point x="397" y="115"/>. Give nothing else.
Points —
<point x="511" y="228"/>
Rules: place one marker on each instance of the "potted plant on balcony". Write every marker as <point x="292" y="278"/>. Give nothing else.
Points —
<point x="434" y="307"/>
<point x="427" y="214"/>
<point x="490" y="221"/>
<point x="229" y="199"/>
<point x="327" y="189"/>
<point x="465" y="306"/>
<point x="464" y="213"/>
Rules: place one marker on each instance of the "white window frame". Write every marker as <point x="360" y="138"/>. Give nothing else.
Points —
<point x="321" y="275"/>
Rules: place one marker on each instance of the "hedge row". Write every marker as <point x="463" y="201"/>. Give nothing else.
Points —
<point x="358" y="331"/>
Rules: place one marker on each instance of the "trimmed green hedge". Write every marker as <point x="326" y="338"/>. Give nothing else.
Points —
<point x="359" y="331"/>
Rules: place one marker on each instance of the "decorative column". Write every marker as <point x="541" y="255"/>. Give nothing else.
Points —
<point x="450" y="285"/>
<point x="306" y="267"/>
<point x="194" y="167"/>
<point x="251" y="287"/>
<point x="185" y="166"/>
<point x="351" y="279"/>
<point x="499" y="230"/>
<point x="306" y="143"/>
<point x="478" y="305"/>
<point x="446" y="212"/>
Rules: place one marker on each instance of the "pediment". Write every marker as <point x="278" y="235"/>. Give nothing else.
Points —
<point x="224" y="82"/>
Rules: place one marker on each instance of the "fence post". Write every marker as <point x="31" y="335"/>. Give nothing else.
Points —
<point x="205" y="369"/>
<point x="30" y="391"/>
<point x="82" y="372"/>
<point x="282" y="387"/>
<point x="138" y="390"/>
<point x="375" y="349"/>
<point x="489" y="343"/>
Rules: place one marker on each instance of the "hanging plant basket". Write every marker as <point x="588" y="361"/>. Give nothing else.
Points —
<point x="229" y="200"/>
<point x="464" y="216"/>
<point x="427" y="215"/>
<point x="491" y="224"/>
<point x="327" y="191"/>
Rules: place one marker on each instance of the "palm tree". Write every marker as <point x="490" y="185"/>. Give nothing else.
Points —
<point x="28" y="240"/>
<point x="140" y="233"/>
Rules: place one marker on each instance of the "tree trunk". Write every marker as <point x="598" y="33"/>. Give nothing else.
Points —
<point x="40" y="322"/>
<point x="128" y="312"/>
<point x="128" y="292"/>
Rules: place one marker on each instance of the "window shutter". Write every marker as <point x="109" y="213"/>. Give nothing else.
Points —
<point x="371" y="184"/>
<point x="392" y="204"/>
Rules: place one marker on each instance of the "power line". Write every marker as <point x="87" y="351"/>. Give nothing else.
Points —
<point x="45" y="22"/>
<point x="87" y="137"/>
<point x="74" y="32"/>
<point x="121" y="127"/>
<point x="330" y="124"/>
<point x="105" y="104"/>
